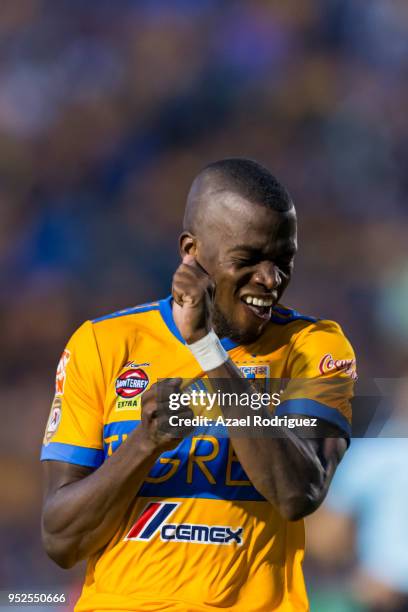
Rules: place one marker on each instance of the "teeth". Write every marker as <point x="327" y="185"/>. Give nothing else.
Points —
<point x="258" y="301"/>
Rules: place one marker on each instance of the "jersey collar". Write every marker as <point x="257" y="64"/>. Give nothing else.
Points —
<point x="165" y="307"/>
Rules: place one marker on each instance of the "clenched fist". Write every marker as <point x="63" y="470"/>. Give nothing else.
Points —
<point x="192" y="291"/>
<point x="155" y="424"/>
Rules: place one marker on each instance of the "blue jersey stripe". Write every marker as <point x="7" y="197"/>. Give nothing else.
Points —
<point x="289" y="315"/>
<point x="177" y="485"/>
<point x="70" y="453"/>
<point x="228" y="344"/>
<point x="128" y="311"/>
<point x="313" y="408"/>
<point x="167" y="315"/>
<point x="280" y="315"/>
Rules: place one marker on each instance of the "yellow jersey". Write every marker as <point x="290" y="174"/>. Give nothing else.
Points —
<point x="198" y="536"/>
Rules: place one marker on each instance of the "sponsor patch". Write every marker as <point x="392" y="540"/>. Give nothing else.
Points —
<point x="153" y="521"/>
<point x="53" y="420"/>
<point x="133" y="364"/>
<point x="329" y="364"/>
<point x="131" y="383"/>
<point x="61" y="372"/>
<point x="129" y="404"/>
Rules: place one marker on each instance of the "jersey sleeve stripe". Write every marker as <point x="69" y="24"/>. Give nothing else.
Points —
<point x="70" y="453"/>
<point x="165" y="307"/>
<point x="128" y="311"/>
<point x="313" y="408"/>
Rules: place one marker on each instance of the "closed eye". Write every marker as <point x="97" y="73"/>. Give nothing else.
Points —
<point x="243" y="261"/>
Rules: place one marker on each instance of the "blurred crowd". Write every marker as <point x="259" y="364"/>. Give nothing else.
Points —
<point x="107" y="112"/>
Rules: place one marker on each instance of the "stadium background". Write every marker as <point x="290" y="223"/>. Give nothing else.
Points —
<point x="108" y="110"/>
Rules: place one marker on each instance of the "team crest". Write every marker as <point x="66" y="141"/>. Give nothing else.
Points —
<point x="255" y="371"/>
<point x="258" y="372"/>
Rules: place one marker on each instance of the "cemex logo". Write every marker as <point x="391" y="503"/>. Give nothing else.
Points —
<point x="153" y="520"/>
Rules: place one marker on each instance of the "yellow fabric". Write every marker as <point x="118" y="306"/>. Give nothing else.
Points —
<point x="200" y="488"/>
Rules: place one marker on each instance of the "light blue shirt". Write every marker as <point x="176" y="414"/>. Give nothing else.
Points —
<point x="371" y="485"/>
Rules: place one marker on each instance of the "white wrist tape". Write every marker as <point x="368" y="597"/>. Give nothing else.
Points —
<point x="209" y="351"/>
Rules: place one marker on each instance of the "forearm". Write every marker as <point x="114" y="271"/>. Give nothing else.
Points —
<point x="284" y="468"/>
<point x="80" y="517"/>
<point x="291" y="472"/>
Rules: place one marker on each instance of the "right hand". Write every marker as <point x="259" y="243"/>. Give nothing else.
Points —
<point x="192" y="292"/>
<point x="155" y="426"/>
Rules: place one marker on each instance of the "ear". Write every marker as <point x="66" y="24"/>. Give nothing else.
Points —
<point x="187" y="244"/>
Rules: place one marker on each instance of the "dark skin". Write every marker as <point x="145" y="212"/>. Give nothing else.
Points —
<point x="71" y="534"/>
<point x="231" y="248"/>
<point x="246" y="249"/>
<point x="291" y="472"/>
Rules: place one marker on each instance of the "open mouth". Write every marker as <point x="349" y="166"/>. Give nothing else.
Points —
<point x="261" y="307"/>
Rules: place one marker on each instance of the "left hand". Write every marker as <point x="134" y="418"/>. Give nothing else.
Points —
<point x="192" y="290"/>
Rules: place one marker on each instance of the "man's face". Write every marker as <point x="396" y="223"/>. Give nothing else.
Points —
<point x="248" y="250"/>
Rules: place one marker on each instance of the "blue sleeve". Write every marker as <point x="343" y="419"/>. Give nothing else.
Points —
<point x="70" y="453"/>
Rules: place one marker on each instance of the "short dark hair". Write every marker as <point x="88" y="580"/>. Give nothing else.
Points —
<point x="251" y="180"/>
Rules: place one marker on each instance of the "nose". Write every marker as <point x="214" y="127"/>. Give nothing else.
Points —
<point x="267" y="275"/>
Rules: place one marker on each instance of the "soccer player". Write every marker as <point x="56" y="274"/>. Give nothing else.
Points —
<point x="198" y="522"/>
